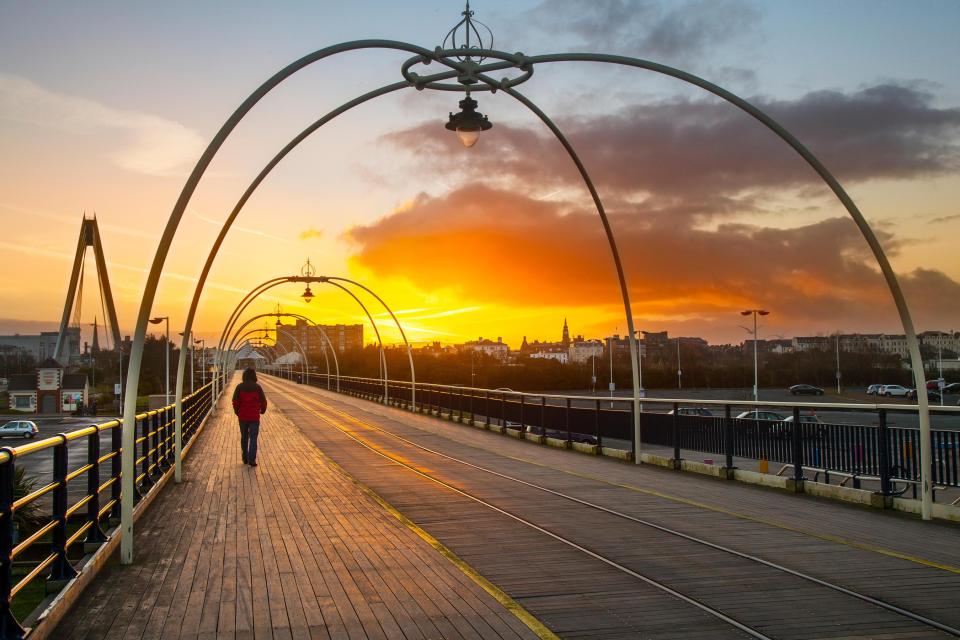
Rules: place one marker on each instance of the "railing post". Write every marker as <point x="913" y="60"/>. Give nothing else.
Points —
<point x="145" y="454"/>
<point x="675" y="435"/>
<point x="596" y="425"/>
<point x="567" y="419"/>
<point x="883" y="437"/>
<point x="157" y="471"/>
<point x="523" y="417"/>
<point x="9" y="625"/>
<point x="61" y="569"/>
<point x="543" y="417"/>
<point x="797" y="450"/>
<point x="486" y="408"/>
<point x="116" y="464"/>
<point x="95" y="536"/>
<point x="728" y="439"/>
<point x="459" y="404"/>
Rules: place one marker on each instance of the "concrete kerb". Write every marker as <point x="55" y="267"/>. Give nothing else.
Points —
<point x="56" y="606"/>
<point x="790" y="485"/>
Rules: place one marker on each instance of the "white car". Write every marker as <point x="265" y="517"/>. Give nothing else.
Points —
<point x="19" y="428"/>
<point x="893" y="390"/>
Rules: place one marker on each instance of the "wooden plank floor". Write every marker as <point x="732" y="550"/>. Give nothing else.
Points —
<point x="579" y="596"/>
<point x="290" y="549"/>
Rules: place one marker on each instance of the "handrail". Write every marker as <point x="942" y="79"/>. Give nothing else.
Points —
<point x="154" y="451"/>
<point x="879" y="450"/>
<point x="851" y="406"/>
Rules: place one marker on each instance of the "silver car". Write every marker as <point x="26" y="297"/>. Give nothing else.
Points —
<point x="19" y="428"/>
<point x="894" y="390"/>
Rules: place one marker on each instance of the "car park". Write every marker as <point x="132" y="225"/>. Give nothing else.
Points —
<point x="805" y="390"/>
<point x="19" y="429"/>
<point x="893" y="391"/>
<point x="691" y="411"/>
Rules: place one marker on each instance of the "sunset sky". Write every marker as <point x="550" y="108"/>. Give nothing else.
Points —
<point x="106" y="106"/>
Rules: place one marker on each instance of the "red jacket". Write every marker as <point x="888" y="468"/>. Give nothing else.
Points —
<point x="249" y="402"/>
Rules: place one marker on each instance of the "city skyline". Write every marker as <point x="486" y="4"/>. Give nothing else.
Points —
<point x="711" y="214"/>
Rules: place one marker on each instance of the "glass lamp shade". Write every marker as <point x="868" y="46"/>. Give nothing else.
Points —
<point x="468" y="136"/>
<point x="307" y="295"/>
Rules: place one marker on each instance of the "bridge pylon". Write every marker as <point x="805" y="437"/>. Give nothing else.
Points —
<point x="89" y="237"/>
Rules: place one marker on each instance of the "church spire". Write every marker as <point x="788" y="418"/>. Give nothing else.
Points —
<point x="95" y="347"/>
<point x="566" y="334"/>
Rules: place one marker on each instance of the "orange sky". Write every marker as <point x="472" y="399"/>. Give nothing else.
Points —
<point x="711" y="213"/>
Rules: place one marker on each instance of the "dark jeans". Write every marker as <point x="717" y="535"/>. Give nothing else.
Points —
<point x="248" y="440"/>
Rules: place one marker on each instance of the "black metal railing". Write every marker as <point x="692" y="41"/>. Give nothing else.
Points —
<point x="886" y="455"/>
<point x="60" y="530"/>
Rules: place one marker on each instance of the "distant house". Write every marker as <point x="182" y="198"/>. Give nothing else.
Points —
<point x="48" y="391"/>
<point x="22" y="390"/>
<point x="498" y="349"/>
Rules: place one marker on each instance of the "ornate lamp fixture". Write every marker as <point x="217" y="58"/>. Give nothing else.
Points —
<point x="308" y="271"/>
<point x="468" y="123"/>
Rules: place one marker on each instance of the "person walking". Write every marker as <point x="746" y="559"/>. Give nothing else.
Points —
<point x="249" y="403"/>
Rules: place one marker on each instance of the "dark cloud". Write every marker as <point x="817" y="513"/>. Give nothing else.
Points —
<point x="512" y="249"/>
<point x="942" y="219"/>
<point x="703" y="153"/>
<point x="642" y="28"/>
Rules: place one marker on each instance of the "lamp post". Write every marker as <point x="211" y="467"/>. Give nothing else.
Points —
<point x="679" y="370"/>
<point x="166" y="349"/>
<point x="203" y="360"/>
<point x="756" y="368"/>
<point x="839" y="390"/>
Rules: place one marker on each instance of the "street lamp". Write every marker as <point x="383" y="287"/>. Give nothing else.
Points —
<point x="468" y="123"/>
<point x="755" y="312"/>
<point x="308" y="271"/>
<point x="166" y="349"/>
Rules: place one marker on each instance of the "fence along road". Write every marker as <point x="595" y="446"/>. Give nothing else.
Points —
<point x="589" y="548"/>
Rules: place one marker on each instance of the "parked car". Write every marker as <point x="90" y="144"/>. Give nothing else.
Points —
<point x="935" y="384"/>
<point x="562" y="435"/>
<point x="692" y="411"/>
<point x="953" y="387"/>
<point x="760" y="422"/>
<point x="874" y="389"/>
<point x="933" y="396"/>
<point x="893" y="391"/>
<point x="19" y="428"/>
<point x="772" y="416"/>
<point x="785" y="428"/>
<point x="805" y="390"/>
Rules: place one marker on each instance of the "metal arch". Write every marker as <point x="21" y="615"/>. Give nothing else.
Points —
<point x="305" y="367"/>
<point x="383" y="354"/>
<point x="326" y="339"/>
<point x="163" y="248"/>
<point x="916" y="360"/>
<point x="612" y="242"/>
<point x="237" y="116"/>
<point x="323" y="335"/>
<point x="269" y="284"/>
<point x="413" y="376"/>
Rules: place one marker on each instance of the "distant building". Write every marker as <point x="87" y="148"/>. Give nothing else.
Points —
<point x="49" y="390"/>
<point x="581" y="350"/>
<point x="499" y="349"/>
<point x="41" y="346"/>
<point x="342" y="337"/>
<point x="555" y="353"/>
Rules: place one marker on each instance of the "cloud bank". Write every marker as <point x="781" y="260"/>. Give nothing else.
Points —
<point x="144" y="143"/>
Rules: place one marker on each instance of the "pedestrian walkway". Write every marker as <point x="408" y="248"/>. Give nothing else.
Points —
<point x="293" y="548"/>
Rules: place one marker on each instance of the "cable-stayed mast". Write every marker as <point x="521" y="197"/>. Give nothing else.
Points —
<point x="89" y="237"/>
